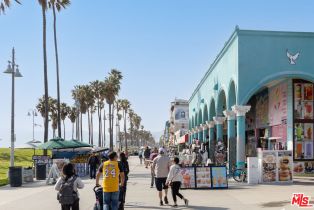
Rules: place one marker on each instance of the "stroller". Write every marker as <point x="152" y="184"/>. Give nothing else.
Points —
<point x="99" y="198"/>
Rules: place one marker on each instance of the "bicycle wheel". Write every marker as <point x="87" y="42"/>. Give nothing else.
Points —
<point x="238" y="175"/>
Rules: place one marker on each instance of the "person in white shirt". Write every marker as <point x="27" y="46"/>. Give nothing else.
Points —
<point x="174" y="179"/>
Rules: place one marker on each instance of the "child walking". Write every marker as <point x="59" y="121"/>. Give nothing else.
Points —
<point x="174" y="180"/>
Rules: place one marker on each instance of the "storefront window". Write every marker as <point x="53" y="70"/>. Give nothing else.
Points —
<point x="303" y="120"/>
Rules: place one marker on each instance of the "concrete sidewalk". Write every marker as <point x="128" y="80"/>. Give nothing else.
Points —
<point x="38" y="196"/>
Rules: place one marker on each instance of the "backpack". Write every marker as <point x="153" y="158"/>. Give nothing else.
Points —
<point x="67" y="195"/>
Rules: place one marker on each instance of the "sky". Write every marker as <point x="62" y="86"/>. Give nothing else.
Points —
<point x="163" y="48"/>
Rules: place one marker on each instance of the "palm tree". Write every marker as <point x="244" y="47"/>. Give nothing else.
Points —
<point x="43" y="4"/>
<point x="6" y="4"/>
<point x="72" y="116"/>
<point x="112" y="88"/>
<point x="131" y="114"/>
<point x="125" y="105"/>
<point x="65" y="110"/>
<point x="137" y="122"/>
<point x="98" y="92"/>
<point x="57" y="4"/>
<point x="79" y="95"/>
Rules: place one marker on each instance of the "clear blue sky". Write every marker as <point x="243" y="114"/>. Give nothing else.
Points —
<point x="162" y="47"/>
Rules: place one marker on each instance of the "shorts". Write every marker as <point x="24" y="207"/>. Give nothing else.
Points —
<point x="161" y="183"/>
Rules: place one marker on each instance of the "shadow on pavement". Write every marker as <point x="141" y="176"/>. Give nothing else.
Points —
<point x="134" y="206"/>
<point x="274" y="204"/>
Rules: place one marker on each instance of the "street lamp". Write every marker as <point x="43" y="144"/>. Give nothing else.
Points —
<point x="12" y="69"/>
<point x="33" y="113"/>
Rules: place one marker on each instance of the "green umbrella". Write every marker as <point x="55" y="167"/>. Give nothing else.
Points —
<point x="56" y="143"/>
<point x="77" y="143"/>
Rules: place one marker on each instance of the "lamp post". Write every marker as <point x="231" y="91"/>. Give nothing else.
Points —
<point x="12" y="69"/>
<point x="33" y="113"/>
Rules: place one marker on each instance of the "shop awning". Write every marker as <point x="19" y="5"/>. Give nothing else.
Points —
<point x="184" y="139"/>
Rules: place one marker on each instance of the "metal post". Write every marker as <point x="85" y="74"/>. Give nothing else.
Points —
<point x="33" y="125"/>
<point x="12" y="111"/>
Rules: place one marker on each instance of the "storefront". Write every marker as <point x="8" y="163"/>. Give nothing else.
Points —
<point x="258" y="95"/>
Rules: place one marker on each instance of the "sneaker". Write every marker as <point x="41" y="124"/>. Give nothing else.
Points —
<point x="166" y="200"/>
<point x="174" y="206"/>
<point x="186" y="202"/>
<point x="161" y="203"/>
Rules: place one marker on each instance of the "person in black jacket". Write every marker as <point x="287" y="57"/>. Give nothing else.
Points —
<point x="93" y="163"/>
<point x="124" y="164"/>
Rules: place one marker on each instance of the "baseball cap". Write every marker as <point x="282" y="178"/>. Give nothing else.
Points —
<point x="161" y="150"/>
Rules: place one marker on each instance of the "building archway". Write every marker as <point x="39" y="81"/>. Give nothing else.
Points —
<point x="212" y="109"/>
<point x="232" y="98"/>
<point x="221" y="103"/>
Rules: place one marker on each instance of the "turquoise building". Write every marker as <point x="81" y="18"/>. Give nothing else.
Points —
<point x="257" y="93"/>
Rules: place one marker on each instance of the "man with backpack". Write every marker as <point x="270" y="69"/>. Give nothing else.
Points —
<point x="113" y="174"/>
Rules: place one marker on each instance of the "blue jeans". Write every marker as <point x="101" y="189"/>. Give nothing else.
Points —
<point x="111" y="200"/>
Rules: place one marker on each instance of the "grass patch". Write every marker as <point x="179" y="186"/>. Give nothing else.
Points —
<point x="22" y="157"/>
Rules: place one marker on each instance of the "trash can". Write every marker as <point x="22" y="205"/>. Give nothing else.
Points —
<point x="40" y="171"/>
<point x="15" y="176"/>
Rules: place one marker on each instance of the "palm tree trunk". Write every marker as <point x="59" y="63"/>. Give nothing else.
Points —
<point x="63" y="129"/>
<point x="57" y="69"/>
<point x="110" y="130"/>
<point x="104" y="140"/>
<point x="125" y="137"/>
<point x="72" y="130"/>
<point x="99" y="126"/>
<point x="81" y="127"/>
<point x="45" y="76"/>
<point x="88" y="118"/>
<point x="92" y="128"/>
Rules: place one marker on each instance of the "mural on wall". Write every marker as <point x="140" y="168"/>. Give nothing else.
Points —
<point x="278" y="104"/>
<point x="261" y="113"/>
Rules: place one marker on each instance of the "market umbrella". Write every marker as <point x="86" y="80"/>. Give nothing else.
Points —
<point x="76" y="143"/>
<point x="56" y="143"/>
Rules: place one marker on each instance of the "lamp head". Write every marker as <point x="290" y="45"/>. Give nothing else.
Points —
<point x="17" y="72"/>
<point x="9" y="69"/>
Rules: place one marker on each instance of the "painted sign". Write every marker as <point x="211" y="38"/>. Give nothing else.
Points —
<point x="278" y="104"/>
<point x="262" y="109"/>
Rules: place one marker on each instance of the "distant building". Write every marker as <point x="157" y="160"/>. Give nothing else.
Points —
<point x="179" y="119"/>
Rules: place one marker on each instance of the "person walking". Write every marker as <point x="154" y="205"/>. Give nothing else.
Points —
<point x="67" y="187"/>
<point x="146" y="156"/>
<point x="93" y="162"/>
<point x="113" y="174"/>
<point x="140" y="156"/>
<point x="174" y="180"/>
<point x="122" y="191"/>
<point x="153" y="155"/>
<point x="160" y="167"/>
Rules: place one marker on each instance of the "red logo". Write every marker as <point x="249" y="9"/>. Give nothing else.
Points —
<point x="301" y="200"/>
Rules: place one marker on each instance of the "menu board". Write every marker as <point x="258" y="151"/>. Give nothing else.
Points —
<point x="219" y="177"/>
<point x="203" y="178"/>
<point x="269" y="166"/>
<point x="285" y="165"/>
<point x="301" y="168"/>
<point x="188" y="175"/>
<point x="303" y="121"/>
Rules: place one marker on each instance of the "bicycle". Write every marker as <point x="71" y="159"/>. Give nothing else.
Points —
<point x="239" y="175"/>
